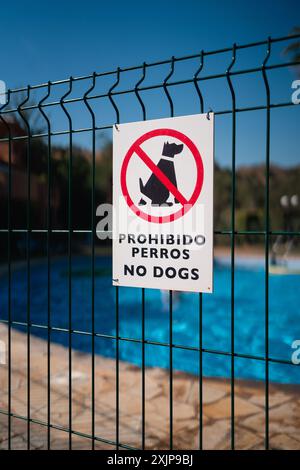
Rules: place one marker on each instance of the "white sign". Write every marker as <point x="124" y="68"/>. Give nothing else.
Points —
<point x="163" y="203"/>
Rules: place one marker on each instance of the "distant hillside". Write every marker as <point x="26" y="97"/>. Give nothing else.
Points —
<point x="251" y="197"/>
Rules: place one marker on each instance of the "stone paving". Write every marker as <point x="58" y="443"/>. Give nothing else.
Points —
<point x="249" y="405"/>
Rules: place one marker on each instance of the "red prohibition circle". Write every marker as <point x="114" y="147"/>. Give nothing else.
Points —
<point x="199" y="181"/>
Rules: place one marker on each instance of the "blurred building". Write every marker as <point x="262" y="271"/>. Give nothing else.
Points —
<point x="19" y="190"/>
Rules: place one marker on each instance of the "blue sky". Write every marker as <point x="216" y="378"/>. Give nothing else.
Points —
<point x="53" y="40"/>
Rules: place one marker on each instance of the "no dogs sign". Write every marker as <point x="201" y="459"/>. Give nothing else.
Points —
<point x="163" y="204"/>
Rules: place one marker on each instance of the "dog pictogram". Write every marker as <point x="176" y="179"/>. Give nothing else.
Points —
<point x="162" y="182"/>
<point x="154" y="189"/>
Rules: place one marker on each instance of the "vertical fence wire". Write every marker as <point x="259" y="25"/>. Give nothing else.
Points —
<point x="93" y="210"/>
<point x="165" y="86"/>
<point x="70" y="232"/>
<point x="232" y="239"/>
<point x="28" y="240"/>
<point x="48" y="250"/>
<point x="9" y="232"/>
<point x="196" y="76"/>
<point x="136" y="89"/>
<point x="267" y="238"/>
<point x="115" y="84"/>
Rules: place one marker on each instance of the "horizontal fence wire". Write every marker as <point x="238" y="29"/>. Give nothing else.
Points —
<point x="148" y="342"/>
<point x="168" y="61"/>
<point x="10" y="110"/>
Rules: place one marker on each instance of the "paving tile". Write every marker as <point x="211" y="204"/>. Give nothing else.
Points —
<point x="18" y="443"/>
<point x="284" y="414"/>
<point x="212" y="393"/>
<point x="183" y="411"/>
<point x="284" y="442"/>
<point x="215" y="436"/>
<point x="287" y="414"/>
<point x="274" y="399"/>
<point x="245" y="439"/>
<point x="181" y="388"/>
<point x="222" y="408"/>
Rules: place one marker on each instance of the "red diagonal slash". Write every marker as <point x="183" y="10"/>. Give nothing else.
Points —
<point x="160" y="175"/>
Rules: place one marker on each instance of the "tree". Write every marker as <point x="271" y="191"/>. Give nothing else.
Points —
<point x="293" y="49"/>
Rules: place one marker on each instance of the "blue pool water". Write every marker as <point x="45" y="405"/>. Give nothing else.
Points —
<point x="284" y="316"/>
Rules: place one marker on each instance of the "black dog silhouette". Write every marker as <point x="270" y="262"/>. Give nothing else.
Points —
<point x="154" y="189"/>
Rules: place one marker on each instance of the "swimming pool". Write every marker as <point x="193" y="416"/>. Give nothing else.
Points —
<point x="284" y="316"/>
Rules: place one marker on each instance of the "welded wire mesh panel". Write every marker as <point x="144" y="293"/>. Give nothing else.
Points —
<point x="50" y="136"/>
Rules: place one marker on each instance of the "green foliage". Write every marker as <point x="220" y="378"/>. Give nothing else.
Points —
<point x="250" y="198"/>
<point x="294" y="47"/>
